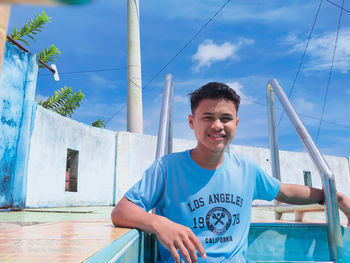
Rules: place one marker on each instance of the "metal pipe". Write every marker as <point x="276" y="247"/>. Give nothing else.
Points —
<point x="335" y="241"/>
<point x="275" y="161"/>
<point x="170" y="118"/>
<point x="273" y="135"/>
<point x="165" y="118"/>
<point x="26" y="50"/>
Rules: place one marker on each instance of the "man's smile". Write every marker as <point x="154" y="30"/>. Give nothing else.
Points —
<point x="217" y="136"/>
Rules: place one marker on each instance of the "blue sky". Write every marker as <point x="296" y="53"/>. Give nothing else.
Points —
<point x="245" y="45"/>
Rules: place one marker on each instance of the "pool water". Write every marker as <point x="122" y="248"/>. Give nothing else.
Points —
<point x="292" y="242"/>
<point x="267" y="242"/>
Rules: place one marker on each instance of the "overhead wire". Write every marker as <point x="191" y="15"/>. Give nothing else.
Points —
<point x="302" y="58"/>
<point x="121" y="68"/>
<point x="250" y="101"/>
<point x="86" y="71"/>
<point x="277" y="108"/>
<point x="341" y="7"/>
<point x="175" y="56"/>
<point x="330" y="72"/>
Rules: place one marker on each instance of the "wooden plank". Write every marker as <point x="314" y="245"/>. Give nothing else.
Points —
<point x="304" y="208"/>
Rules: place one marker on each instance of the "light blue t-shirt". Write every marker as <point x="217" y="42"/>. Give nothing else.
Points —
<point x="215" y="204"/>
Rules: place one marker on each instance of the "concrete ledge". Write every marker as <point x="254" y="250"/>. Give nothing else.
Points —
<point x="127" y="248"/>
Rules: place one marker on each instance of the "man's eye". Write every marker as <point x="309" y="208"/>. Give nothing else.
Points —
<point x="227" y="119"/>
<point x="207" y="118"/>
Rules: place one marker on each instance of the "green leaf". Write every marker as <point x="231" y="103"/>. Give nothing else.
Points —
<point x="49" y="54"/>
<point x="99" y="123"/>
<point x="64" y="101"/>
<point x="31" y="28"/>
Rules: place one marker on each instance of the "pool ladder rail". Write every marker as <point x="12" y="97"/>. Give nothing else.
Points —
<point x="333" y="222"/>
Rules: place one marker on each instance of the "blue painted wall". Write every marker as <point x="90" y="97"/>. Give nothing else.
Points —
<point x="17" y="112"/>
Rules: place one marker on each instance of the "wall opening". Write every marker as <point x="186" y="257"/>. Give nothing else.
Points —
<point x="307" y="178"/>
<point x="72" y="170"/>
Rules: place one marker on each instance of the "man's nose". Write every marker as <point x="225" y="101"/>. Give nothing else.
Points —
<point x="217" y="124"/>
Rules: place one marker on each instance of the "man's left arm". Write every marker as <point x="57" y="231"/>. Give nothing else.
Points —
<point x="303" y="195"/>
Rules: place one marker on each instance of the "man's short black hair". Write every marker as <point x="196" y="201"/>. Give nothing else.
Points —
<point x="213" y="90"/>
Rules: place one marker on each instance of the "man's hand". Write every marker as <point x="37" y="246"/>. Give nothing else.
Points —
<point x="178" y="237"/>
<point x="172" y="235"/>
<point x="344" y="205"/>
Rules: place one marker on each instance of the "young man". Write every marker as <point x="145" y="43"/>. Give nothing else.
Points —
<point x="203" y="197"/>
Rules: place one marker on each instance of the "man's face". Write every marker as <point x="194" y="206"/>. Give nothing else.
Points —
<point x="214" y="123"/>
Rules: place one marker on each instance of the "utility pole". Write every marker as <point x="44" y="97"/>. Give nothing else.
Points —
<point x="134" y="82"/>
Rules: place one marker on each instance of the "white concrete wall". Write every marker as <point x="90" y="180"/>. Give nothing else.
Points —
<point x="52" y="135"/>
<point x="136" y="152"/>
<point x="110" y="163"/>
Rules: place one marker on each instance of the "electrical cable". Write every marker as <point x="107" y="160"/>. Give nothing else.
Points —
<point x="330" y="72"/>
<point x="302" y="59"/>
<point x="177" y="54"/>
<point x="85" y="71"/>
<point x="346" y="10"/>
<point x="277" y="108"/>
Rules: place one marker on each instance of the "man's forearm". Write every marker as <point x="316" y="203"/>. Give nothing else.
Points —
<point x="299" y="194"/>
<point x="127" y="214"/>
<point x="172" y="235"/>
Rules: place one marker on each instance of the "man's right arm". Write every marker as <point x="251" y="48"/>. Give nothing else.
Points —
<point x="172" y="235"/>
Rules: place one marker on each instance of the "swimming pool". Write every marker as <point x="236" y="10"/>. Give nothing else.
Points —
<point x="283" y="242"/>
<point x="268" y="242"/>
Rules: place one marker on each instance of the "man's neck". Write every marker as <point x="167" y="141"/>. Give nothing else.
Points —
<point x="207" y="159"/>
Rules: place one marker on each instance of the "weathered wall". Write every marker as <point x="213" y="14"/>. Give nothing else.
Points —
<point x="110" y="163"/>
<point x="135" y="152"/>
<point x="17" y="91"/>
<point x="52" y="136"/>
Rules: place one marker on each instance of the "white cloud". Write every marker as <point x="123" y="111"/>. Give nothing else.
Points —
<point x="262" y="11"/>
<point x="303" y="106"/>
<point x="291" y="38"/>
<point x="181" y="99"/>
<point x="238" y="88"/>
<point x="320" y="51"/>
<point x="101" y="82"/>
<point x="348" y="91"/>
<point x="208" y="52"/>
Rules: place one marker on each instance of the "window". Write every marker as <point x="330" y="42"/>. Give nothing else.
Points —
<point x="307" y="178"/>
<point x="72" y="171"/>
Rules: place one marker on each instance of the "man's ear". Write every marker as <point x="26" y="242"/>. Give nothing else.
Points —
<point x="190" y="121"/>
<point x="237" y="121"/>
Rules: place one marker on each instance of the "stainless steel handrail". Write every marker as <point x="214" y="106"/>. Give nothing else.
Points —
<point x="334" y="230"/>
<point x="165" y="134"/>
<point x="164" y="145"/>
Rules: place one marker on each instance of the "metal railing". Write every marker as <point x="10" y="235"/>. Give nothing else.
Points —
<point x="165" y="131"/>
<point x="334" y="230"/>
<point x="164" y="146"/>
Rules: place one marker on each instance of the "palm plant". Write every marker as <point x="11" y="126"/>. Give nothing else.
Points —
<point x="64" y="101"/>
<point x="30" y="30"/>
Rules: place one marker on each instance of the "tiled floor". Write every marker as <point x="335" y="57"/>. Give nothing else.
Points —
<point x="68" y="241"/>
<point x="73" y="234"/>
